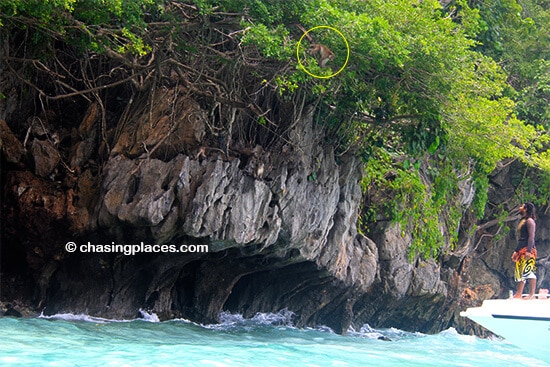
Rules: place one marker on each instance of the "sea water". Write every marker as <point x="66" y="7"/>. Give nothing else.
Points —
<point x="265" y="340"/>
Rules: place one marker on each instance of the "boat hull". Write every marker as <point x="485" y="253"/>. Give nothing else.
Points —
<point x="524" y="323"/>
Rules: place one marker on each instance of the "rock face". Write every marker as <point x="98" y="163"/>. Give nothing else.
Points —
<point x="285" y="238"/>
<point x="279" y="226"/>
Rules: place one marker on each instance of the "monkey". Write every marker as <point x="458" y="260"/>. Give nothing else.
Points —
<point x="324" y="54"/>
<point x="201" y="153"/>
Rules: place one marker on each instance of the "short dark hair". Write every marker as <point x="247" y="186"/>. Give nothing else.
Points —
<point x="530" y="211"/>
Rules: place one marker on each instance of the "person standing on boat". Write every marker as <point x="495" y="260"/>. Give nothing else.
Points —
<point x="526" y="253"/>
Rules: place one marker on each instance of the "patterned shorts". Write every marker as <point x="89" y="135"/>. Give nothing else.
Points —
<point x="525" y="269"/>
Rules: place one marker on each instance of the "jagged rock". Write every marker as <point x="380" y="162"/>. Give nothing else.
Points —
<point x="176" y="124"/>
<point x="396" y="271"/>
<point x="230" y="207"/>
<point x="9" y="310"/>
<point x="10" y="146"/>
<point x="148" y="194"/>
<point x="427" y="279"/>
<point x="260" y="226"/>
<point x="39" y="201"/>
<point x="45" y="157"/>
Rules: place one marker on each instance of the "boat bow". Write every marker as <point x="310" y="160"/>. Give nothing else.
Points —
<point x="524" y="323"/>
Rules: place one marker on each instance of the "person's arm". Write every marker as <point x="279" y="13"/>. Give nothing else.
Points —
<point x="530" y="234"/>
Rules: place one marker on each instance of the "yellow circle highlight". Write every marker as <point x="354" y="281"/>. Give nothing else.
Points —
<point x="322" y="76"/>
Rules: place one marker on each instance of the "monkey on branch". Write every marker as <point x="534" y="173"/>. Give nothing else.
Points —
<point x="322" y="53"/>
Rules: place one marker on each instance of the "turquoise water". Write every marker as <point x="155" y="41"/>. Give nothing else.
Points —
<point x="265" y="340"/>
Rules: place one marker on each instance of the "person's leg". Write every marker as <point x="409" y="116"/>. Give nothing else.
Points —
<point x="532" y="286"/>
<point x="519" y="289"/>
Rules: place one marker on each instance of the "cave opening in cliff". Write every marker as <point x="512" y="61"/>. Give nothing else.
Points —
<point x="274" y="290"/>
<point x="185" y="286"/>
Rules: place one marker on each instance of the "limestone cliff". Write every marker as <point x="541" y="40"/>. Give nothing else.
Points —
<point x="253" y="222"/>
<point x="281" y="237"/>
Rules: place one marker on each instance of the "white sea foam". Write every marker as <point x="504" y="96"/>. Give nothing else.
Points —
<point x="283" y="317"/>
<point x="145" y="316"/>
<point x="148" y="316"/>
<point x="207" y="362"/>
<point x="229" y="318"/>
<point x="78" y="317"/>
<point x="366" y="331"/>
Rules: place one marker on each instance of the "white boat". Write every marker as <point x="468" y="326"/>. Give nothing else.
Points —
<point x="524" y="323"/>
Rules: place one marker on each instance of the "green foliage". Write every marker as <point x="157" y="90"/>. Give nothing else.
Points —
<point x="42" y="10"/>
<point x="421" y="209"/>
<point x="134" y="45"/>
<point x="534" y="99"/>
<point x="267" y="12"/>
<point x="269" y="41"/>
<point x="532" y="185"/>
<point x="92" y="24"/>
<point x="515" y="34"/>
<point x="414" y="209"/>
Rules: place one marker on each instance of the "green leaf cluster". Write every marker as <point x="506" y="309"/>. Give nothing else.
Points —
<point x="269" y="41"/>
<point x="400" y="190"/>
<point x="90" y="24"/>
<point x="515" y="34"/>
